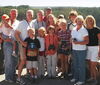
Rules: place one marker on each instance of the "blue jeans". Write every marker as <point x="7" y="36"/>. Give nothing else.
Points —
<point x="79" y="64"/>
<point x="9" y="61"/>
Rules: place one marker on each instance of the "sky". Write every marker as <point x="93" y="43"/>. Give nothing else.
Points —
<point x="55" y="3"/>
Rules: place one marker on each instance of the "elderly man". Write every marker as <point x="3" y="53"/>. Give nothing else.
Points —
<point x="21" y="34"/>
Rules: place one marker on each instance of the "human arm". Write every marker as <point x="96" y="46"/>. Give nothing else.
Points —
<point x="84" y="42"/>
<point x="99" y="43"/>
<point x="17" y="36"/>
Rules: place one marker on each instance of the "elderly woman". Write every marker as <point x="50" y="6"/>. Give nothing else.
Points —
<point x="93" y="46"/>
<point x="79" y="41"/>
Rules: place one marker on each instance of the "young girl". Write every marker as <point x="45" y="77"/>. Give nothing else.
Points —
<point x="51" y="42"/>
<point x="64" y="36"/>
<point x="41" y="58"/>
<point x="31" y="51"/>
<point x="7" y="33"/>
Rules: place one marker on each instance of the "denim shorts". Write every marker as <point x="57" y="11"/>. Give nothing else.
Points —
<point x="65" y="52"/>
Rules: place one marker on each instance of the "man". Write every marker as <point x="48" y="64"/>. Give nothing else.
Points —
<point x="14" y="24"/>
<point x="39" y="21"/>
<point x="21" y="34"/>
<point x="47" y="12"/>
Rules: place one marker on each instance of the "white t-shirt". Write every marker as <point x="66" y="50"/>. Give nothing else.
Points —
<point x="6" y="31"/>
<point x="42" y="43"/>
<point x="79" y="36"/>
<point x="23" y="27"/>
<point x="15" y="24"/>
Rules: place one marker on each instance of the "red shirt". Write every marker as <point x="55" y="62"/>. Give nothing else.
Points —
<point x="51" y="39"/>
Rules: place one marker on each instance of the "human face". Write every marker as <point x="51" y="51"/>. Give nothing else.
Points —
<point x="51" y="31"/>
<point x="63" y="26"/>
<point x="90" y="22"/>
<point x="51" y="20"/>
<point x="41" y="33"/>
<point x="40" y="16"/>
<point x="47" y="12"/>
<point x="79" y="22"/>
<point x="13" y="14"/>
<point x="29" y="15"/>
<point x="72" y="18"/>
<point x="31" y="33"/>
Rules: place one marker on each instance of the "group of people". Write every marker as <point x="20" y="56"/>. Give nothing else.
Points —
<point x="50" y="44"/>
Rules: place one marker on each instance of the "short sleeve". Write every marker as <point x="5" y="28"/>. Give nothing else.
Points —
<point x="84" y="32"/>
<point x="19" y="27"/>
<point x="26" y="40"/>
<point x="38" y="43"/>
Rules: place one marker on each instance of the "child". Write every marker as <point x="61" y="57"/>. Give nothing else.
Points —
<point x="51" y="42"/>
<point x="31" y="52"/>
<point x="64" y="36"/>
<point x="41" y="59"/>
<point x="7" y="32"/>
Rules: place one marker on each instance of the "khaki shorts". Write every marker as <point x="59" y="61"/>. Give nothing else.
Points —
<point x="21" y="52"/>
<point x="32" y="64"/>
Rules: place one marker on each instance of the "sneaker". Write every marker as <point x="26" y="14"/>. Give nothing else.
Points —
<point x="35" y="77"/>
<point x="73" y="80"/>
<point x="94" y="82"/>
<point x="20" y="81"/>
<point x="90" y="79"/>
<point x="79" y="83"/>
<point x="27" y="75"/>
<point x="10" y="81"/>
<point x="70" y="74"/>
<point x="14" y="54"/>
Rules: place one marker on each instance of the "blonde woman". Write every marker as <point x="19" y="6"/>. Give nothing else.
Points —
<point x="93" y="46"/>
<point x="79" y="41"/>
<point x="51" y="21"/>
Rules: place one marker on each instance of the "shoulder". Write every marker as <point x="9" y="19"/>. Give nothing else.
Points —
<point x="17" y="21"/>
<point x="84" y="31"/>
<point x="36" y="39"/>
<point x="34" y="21"/>
<point x="27" y="39"/>
<point x="21" y="23"/>
<point x="97" y="28"/>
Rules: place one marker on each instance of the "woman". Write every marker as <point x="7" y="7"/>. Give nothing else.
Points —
<point x="79" y="41"/>
<point x="51" y="21"/>
<point x="93" y="46"/>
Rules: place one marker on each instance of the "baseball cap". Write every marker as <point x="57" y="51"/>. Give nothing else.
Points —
<point x="5" y="17"/>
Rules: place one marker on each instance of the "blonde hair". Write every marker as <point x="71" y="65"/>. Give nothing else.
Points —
<point x="31" y="11"/>
<point x="54" y="18"/>
<point x="31" y="29"/>
<point x="62" y="21"/>
<point x="79" y="17"/>
<point x="73" y="13"/>
<point x="41" y="11"/>
<point x="42" y="29"/>
<point x="90" y="17"/>
<point x="15" y="11"/>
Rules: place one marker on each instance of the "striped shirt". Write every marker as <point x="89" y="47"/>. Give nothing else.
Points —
<point x="64" y="37"/>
